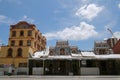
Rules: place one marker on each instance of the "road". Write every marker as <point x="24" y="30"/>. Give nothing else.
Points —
<point x="59" y="77"/>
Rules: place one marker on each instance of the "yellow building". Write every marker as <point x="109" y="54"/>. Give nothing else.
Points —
<point x="24" y="39"/>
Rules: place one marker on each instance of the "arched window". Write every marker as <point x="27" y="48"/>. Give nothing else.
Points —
<point x="62" y="51"/>
<point x="73" y="51"/>
<point x="51" y="53"/>
<point x="19" y="52"/>
<point x="21" y="33"/>
<point x="9" y="53"/>
<point x="20" y="43"/>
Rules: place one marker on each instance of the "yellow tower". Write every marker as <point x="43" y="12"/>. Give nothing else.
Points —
<point x="24" y="39"/>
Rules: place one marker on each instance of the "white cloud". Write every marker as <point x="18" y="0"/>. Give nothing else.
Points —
<point x="89" y="11"/>
<point x="117" y="35"/>
<point x="119" y="5"/>
<point x="26" y="18"/>
<point x="81" y="32"/>
<point x="4" y="19"/>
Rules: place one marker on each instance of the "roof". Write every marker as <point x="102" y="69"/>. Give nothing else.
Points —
<point x="88" y="54"/>
<point x="83" y="55"/>
<point x="99" y="42"/>
<point x="75" y="55"/>
<point x="22" y="22"/>
<point x="40" y="54"/>
<point x="109" y="56"/>
<point x="57" y="57"/>
<point x="60" y="57"/>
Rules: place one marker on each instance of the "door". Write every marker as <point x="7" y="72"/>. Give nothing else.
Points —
<point x="62" y="67"/>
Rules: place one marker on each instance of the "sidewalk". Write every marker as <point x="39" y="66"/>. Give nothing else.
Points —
<point x="24" y="77"/>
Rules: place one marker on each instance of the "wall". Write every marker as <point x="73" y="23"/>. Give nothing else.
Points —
<point x="14" y="60"/>
<point x="116" y="48"/>
<point x="37" y="71"/>
<point x="90" y="71"/>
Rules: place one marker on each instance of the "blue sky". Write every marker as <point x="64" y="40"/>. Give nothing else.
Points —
<point x="81" y="22"/>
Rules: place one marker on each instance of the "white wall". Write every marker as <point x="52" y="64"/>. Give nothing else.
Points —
<point x="90" y="71"/>
<point x="22" y="69"/>
<point x="37" y="71"/>
<point x="2" y="71"/>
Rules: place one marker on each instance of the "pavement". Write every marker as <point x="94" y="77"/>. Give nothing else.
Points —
<point x="24" y="77"/>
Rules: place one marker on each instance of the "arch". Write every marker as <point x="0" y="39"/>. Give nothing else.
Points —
<point x="51" y="53"/>
<point x="62" y="51"/>
<point x="73" y="51"/>
<point x="9" y="52"/>
<point x="19" y="52"/>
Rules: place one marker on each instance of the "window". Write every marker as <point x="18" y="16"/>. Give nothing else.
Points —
<point x="74" y="51"/>
<point x="83" y="63"/>
<point x="9" y="54"/>
<point x="51" y="52"/>
<point x="62" y="51"/>
<point x="29" y="33"/>
<point x="22" y="64"/>
<point x="39" y="64"/>
<point x="20" y="43"/>
<point x="13" y="33"/>
<point x="12" y="43"/>
<point x="90" y="63"/>
<point x="35" y="44"/>
<point x="19" y="52"/>
<point x="28" y="42"/>
<point x="36" y="35"/>
<point x="21" y="33"/>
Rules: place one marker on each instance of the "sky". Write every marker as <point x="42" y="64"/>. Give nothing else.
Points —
<point x="81" y="22"/>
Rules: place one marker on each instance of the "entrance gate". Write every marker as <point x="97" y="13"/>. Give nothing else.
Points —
<point x="55" y="67"/>
<point x="62" y="67"/>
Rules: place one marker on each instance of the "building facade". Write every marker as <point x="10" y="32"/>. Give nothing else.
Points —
<point x="0" y="49"/>
<point x="63" y="48"/>
<point x="64" y="59"/>
<point x="116" y="48"/>
<point x="58" y="61"/>
<point x="112" y="42"/>
<point x="101" y="47"/>
<point x="105" y="46"/>
<point x="24" y="39"/>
